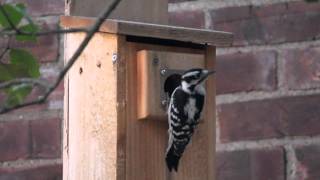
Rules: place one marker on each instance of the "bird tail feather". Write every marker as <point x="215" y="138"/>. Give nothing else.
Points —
<point x="172" y="160"/>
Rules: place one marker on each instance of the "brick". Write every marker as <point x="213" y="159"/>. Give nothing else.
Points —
<point x="46" y="138"/>
<point x="14" y="140"/>
<point x="194" y="19"/>
<point x="43" y="7"/>
<point x="251" y="165"/>
<point x="273" y="118"/>
<point x="308" y="162"/>
<point x="302" y="68"/>
<point x="246" y="72"/>
<point x="223" y="14"/>
<point x="49" y="172"/>
<point x="269" y="24"/>
<point x="46" y="48"/>
<point x="2" y="97"/>
<point x="300" y="7"/>
<point x="58" y="93"/>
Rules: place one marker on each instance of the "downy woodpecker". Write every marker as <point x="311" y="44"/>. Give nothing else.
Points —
<point x="184" y="111"/>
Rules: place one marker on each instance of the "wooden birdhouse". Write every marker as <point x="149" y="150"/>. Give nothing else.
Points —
<point x="115" y="124"/>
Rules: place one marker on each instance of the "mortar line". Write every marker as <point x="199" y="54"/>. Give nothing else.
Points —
<point x="280" y="72"/>
<point x="207" y="19"/>
<point x="196" y="5"/>
<point x="30" y="163"/>
<point x="291" y="162"/>
<point x="268" y="143"/>
<point x="275" y="47"/>
<point x="259" y="95"/>
<point x="31" y="116"/>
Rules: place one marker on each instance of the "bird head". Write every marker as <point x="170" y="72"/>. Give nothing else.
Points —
<point x="193" y="78"/>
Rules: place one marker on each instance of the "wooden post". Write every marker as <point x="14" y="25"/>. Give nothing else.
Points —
<point x="150" y="11"/>
<point x="104" y="136"/>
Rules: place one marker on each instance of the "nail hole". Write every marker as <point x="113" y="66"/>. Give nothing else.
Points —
<point x="99" y="64"/>
<point x="155" y="61"/>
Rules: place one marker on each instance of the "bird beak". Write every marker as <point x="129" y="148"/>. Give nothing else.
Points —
<point x="211" y="72"/>
<point x="205" y="75"/>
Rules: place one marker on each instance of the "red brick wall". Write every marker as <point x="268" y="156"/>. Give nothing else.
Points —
<point x="268" y="86"/>
<point x="30" y="138"/>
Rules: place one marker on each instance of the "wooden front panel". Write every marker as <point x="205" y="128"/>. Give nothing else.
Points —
<point x="147" y="140"/>
<point x="91" y="120"/>
<point x="150" y="80"/>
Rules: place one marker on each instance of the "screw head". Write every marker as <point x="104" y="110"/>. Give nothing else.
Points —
<point x="155" y="61"/>
<point x="114" y="57"/>
<point x="163" y="72"/>
<point x="164" y="102"/>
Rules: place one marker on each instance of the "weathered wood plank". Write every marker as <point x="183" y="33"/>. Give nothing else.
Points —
<point x="147" y="140"/>
<point x="149" y="78"/>
<point x="210" y="111"/>
<point x="93" y="110"/>
<point x="202" y="36"/>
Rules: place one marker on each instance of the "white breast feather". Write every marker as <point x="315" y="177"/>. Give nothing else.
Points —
<point x="191" y="109"/>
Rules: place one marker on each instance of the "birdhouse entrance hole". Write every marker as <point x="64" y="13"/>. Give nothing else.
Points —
<point x="170" y="79"/>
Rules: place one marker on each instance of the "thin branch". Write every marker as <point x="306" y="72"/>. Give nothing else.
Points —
<point x="4" y="53"/>
<point x="43" y="33"/>
<point x="92" y="30"/>
<point x="17" y="31"/>
<point x="30" y="81"/>
<point x="5" y="50"/>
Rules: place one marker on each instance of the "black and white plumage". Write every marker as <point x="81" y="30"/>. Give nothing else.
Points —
<point x="186" y="104"/>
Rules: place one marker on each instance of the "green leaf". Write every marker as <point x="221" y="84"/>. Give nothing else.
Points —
<point x="14" y="13"/>
<point x="21" y="7"/>
<point x="17" y="94"/>
<point x="11" y="71"/>
<point x="5" y="74"/>
<point x="29" y="28"/>
<point x="26" y="60"/>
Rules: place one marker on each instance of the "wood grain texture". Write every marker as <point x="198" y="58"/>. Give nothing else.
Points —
<point x="93" y="110"/>
<point x="148" y="78"/>
<point x="122" y="94"/>
<point x="65" y="137"/>
<point x="201" y="36"/>
<point x="210" y="111"/>
<point x="150" y="11"/>
<point x="146" y="140"/>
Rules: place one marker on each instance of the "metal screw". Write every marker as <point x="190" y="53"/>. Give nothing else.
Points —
<point x="114" y="57"/>
<point x="164" y="102"/>
<point x="163" y="72"/>
<point x="155" y="61"/>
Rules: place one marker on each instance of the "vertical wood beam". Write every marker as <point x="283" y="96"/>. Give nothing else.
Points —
<point x="94" y="110"/>
<point x="210" y="111"/>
